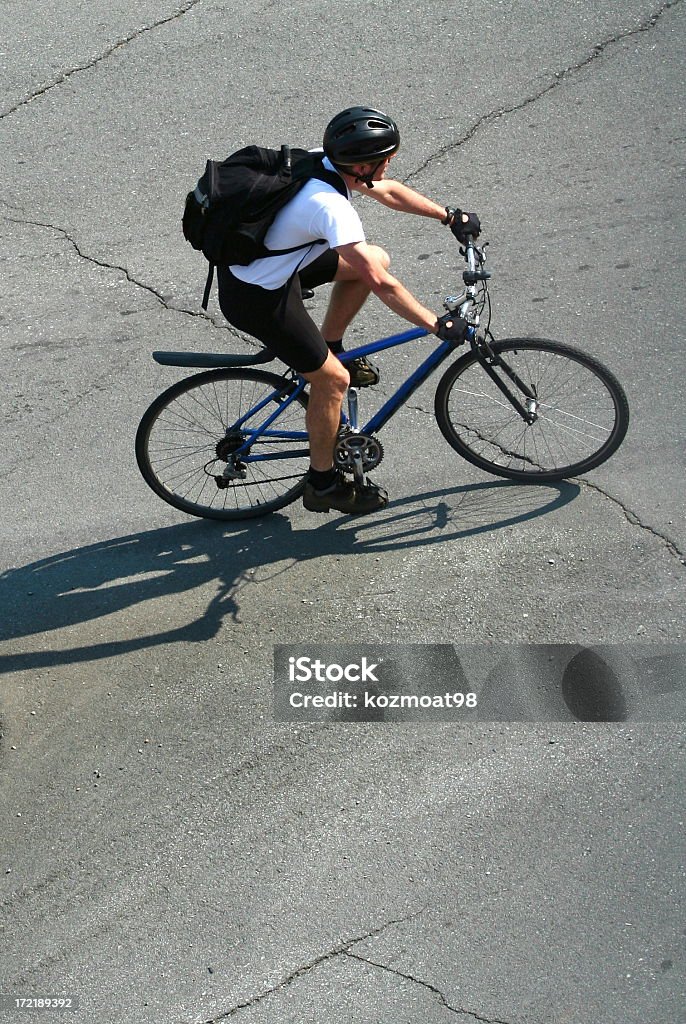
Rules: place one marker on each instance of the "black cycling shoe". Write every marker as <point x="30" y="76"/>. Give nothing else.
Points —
<point x="345" y="496"/>
<point x="362" y="373"/>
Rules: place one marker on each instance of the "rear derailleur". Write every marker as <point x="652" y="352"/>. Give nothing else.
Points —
<point x="235" y="469"/>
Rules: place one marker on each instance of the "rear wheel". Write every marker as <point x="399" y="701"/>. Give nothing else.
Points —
<point x="185" y="444"/>
<point x="582" y="413"/>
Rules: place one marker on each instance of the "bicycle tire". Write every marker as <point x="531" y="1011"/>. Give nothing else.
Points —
<point x="583" y="413"/>
<point x="177" y="441"/>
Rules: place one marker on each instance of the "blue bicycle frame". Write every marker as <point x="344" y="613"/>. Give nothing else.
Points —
<point x="391" y="406"/>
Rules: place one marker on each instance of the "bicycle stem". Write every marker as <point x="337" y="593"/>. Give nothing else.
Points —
<point x="471" y="258"/>
<point x="471" y="288"/>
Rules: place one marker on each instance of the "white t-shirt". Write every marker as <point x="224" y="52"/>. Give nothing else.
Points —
<point x="317" y="211"/>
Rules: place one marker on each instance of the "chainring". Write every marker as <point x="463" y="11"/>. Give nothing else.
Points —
<point x="351" y="448"/>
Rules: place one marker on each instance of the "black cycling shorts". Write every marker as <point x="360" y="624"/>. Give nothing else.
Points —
<point x="278" y="318"/>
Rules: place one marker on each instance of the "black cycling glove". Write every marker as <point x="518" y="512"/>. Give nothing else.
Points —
<point x="452" y="327"/>
<point x="461" y="228"/>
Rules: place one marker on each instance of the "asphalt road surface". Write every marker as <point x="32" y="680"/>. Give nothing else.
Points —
<point x="171" y="849"/>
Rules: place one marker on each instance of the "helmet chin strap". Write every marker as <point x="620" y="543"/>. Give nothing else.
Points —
<point x="368" y="179"/>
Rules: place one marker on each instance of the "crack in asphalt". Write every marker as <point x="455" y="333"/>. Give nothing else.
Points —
<point x="629" y="515"/>
<point x="429" y="986"/>
<point x="299" y="972"/>
<point x="598" y="49"/>
<point x="632" y="518"/>
<point x="559" y="77"/>
<point x="64" y="76"/>
<point x="127" y="274"/>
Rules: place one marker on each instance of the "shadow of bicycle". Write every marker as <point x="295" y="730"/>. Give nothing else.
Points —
<point x="98" y="580"/>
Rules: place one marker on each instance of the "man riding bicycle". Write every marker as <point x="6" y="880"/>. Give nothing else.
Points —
<point x="265" y="298"/>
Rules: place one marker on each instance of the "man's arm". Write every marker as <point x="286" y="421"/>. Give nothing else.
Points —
<point x="397" y="196"/>
<point x="370" y="269"/>
<point x="401" y="197"/>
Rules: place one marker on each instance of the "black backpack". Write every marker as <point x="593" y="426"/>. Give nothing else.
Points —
<point x="229" y="212"/>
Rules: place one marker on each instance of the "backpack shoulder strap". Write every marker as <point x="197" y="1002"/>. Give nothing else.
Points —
<point x="313" y="169"/>
<point x="208" y="287"/>
<point x="311" y="165"/>
<point x="334" y="179"/>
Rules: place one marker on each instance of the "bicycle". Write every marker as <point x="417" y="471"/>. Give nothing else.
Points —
<point x="229" y="443"/>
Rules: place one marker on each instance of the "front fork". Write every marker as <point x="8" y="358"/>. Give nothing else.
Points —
<point x="483" y="351"/>
<point x="489" y="359"/>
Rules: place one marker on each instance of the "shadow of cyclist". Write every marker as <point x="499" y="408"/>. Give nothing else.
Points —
<point x="99" y="580"/>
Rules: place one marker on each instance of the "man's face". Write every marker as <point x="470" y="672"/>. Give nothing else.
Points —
<point x="379" y="173"/>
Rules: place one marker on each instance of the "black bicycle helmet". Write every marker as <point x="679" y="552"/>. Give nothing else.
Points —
<point x="360" y="135"/>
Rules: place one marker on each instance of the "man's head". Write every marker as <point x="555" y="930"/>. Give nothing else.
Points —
<point x="359" y="141"/>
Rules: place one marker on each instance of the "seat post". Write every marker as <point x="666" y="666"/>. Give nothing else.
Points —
<point x="352" y="409"/>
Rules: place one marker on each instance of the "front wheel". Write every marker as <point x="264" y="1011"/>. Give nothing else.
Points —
<point x="581" y="412"/>
<point x="187" y="440"/>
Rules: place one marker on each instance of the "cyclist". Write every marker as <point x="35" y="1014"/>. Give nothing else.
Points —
<point x="265" y="298"/>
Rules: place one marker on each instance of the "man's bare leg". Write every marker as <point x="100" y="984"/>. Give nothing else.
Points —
<point x="328" y="386"/>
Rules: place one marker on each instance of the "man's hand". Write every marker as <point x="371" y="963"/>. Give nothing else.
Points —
<point x="464" y="224"/>
<point x="452" y="327"/>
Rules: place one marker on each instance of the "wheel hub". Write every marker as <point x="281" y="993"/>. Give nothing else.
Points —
<point x="229" y="444"/>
